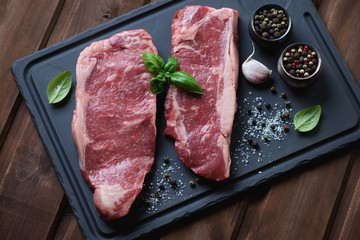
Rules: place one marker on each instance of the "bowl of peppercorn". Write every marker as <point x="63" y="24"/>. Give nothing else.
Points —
<point x="299" y="65"/>
<point x="270" y="25"/>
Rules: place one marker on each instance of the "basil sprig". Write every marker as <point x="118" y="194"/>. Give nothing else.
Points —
<point x="156" y="65"/>
<point x="307" y="119"/>
<point x="59" y="87"/>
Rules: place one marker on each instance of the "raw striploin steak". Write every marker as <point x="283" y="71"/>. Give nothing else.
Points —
<point x="114" y="121"/>
<point x="204" y="40"/>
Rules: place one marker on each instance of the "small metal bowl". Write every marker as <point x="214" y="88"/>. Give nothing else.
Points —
<point x="299" y="81"/>
<point x="271" y="41"/>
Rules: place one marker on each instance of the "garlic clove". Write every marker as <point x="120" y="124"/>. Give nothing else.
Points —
<point x="254" y="71"/>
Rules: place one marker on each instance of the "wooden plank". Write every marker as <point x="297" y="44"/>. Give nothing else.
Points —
<point x="68" y="227"/>
<point x="31" y="21"/>
<point x="219" y="224"/>
<point x="341" y="18"/>
<point x="347" y="221"/>
<point x="223" y="223"/>
<point x="30" y="194"/>
<point x="80" y="15"/>
<point x="299" y="207"/>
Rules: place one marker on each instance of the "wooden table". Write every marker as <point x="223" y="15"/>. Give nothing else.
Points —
<point x="319" y="202"/>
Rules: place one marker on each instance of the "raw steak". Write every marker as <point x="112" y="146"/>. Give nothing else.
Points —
<point x="204" y="40"/>
<point x="114" y="121"/>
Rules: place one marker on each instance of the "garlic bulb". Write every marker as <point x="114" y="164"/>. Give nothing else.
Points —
<point x="254" y="71"/>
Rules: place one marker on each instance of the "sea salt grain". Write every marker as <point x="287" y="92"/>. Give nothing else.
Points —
<point x="256" y="121"/>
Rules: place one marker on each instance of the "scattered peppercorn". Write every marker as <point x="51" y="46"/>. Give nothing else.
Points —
<point x="263" y="123"/>
<point x="255" y="144"/>
<point x="253" y="122"/>
<point x="268" y="106"/>
<point x="273" y="90"/>
<point x="287" y="103"/>
<point x="272" y="126"/>
<point x="173" y="183"/>
<point x="161" y="187"/>
<point x="266" y="137"/>
<point x="250" y="141"/>
<point x="166" y="175"/>
<point x="197" y="179"/>
<point x="157" y="194"/>
<point x="258" y="107"/>
<point x="249" y="111"/>
<point x="283" y="95"/>
<point x="287" y="114"/>
<point x="192" y="183"/>
<point x="166" y="159"/>
<point x="286" y="128"/>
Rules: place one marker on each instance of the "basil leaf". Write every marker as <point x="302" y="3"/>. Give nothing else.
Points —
<point x="186" y="82"/>
<point x="307" y="119"/>
<point x="59" y="87"/>
<point x="153" y="63"/>
<point x="171" y="65"/>
<point x="158" y="84"/>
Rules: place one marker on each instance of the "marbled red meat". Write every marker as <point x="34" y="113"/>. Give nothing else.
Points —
<point x="204" y="40"/>
<point x="114" y="122"/>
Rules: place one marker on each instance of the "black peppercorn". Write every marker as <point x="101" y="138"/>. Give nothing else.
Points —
<point x="265" y="35"/>
<point x="289" y="66"/>
<point x="313" y="68"/>
<point x="273" y="90"/>
<point x="192" y="183"/>
<point x="157" y="194"/>
<point x="173" y="182"/>
<point x="277" y="34"/>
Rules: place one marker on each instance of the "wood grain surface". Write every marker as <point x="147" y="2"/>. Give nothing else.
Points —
<point x="318" y="202"/>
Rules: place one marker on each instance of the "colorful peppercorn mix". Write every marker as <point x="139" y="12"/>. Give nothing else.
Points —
<point x="300" y="62"/>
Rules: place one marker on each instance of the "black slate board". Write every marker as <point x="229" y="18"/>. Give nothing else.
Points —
<point x="336" y="92"/>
